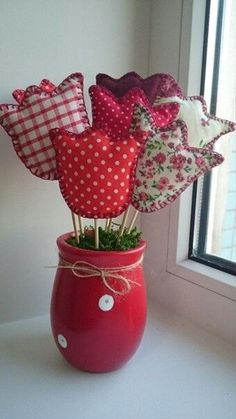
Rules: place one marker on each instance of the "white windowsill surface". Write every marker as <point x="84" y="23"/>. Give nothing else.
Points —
<point x="210" y="278"/>
<point x="180" y="371"/>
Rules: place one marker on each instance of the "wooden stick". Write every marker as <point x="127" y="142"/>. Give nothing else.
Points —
<point x="109" y="224"/>
<point x="122" y="226"/>
<point x="96" y="233"/>
<point x="133" y="219"/>
<point x="106" y="223"/>
<point x="81" y="227"/>
<point x="75" y="226"/>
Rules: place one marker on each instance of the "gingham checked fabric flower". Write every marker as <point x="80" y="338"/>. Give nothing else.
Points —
<point x="45" y="84"/>
<point x="40" y="109"/>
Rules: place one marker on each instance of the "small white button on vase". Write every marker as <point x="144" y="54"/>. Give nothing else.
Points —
<point x="62" y="341"/>
<point x="106" y="302"/>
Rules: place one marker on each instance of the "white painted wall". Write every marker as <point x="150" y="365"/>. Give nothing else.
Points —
<point x="164" y="57"/>
<point x="51" y="39"/>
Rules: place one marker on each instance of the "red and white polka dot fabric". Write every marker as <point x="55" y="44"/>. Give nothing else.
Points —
<point x="114" y="115"/>
<point x="95" y="173"/>
<point x="40" y="109"/>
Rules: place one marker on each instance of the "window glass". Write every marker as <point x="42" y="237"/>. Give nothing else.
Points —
<point x="214" y="212"/>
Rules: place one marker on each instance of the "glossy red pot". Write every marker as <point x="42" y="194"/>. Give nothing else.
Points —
<point x="97" y="321"/>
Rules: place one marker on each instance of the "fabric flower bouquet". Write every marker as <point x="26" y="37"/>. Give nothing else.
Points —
<point x="146" y="144"/>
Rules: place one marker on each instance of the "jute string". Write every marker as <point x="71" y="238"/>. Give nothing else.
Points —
<point x="84" y="269"/>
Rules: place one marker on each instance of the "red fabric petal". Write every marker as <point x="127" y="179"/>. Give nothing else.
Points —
<point x="19" y="95"/>
<point x="47" y="86"/>
<point x="156" y="85"/>
<point x="115" y="115"/>
<point x="95" y="173"/>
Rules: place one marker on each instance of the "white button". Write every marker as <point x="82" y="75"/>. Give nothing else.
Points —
<point x="62" y="341"/>
<point x="106" y="302"/>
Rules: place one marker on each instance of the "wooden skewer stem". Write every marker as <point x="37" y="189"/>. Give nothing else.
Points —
<point x="75" y="226"/>
<point x="123" y="224"/>
<point x="109" y="224"/>
<point x="81" y="227"/>
<point x="133" y="219"/>
<point x="106" y="224"/>
<point x="96" y="233"/>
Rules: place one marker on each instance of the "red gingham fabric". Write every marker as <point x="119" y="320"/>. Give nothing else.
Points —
<point x="114" y="115"/>
<point x="45" y="85"/>
<point x="18" y="95"/>
<point x="95" y="173"/>
<point x="42" y="108"/>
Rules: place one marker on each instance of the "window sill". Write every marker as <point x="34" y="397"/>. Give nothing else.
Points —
<point x="178" y="264"/>
<point x="203" y="294"/>
<point x="176" y="372"/>
<point x="209" y="278"/>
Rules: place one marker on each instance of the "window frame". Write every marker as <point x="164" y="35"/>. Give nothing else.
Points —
<point x="199" y="254"/>
<point x="179" y="265"/>
<point x="178" y="262"/>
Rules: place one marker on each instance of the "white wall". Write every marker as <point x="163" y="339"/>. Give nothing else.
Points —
<point x="165" y="42"/>
<point x="51" y="39"/>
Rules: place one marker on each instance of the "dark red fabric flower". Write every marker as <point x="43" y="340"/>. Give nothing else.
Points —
<point x="156" y="85"/>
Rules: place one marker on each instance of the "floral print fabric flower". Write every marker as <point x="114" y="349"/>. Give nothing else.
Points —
<point x="163" y="183"/>
<point x="203" y="128"/>
<point x="159" y="158"/>
<point x="167" y="164"/>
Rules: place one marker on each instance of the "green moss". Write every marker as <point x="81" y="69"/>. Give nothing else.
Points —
<point x="108" y="240"/>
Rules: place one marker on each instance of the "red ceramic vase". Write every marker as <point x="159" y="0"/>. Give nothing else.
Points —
<point x="98" y="322"/>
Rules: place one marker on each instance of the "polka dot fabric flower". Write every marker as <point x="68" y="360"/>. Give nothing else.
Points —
<point x="40" y="109"/>
<point x="168" y="165"/>
<point x="156" y="85"/>
<point x="115" y="115"/>
<point x="95" y="173"/>
<point x="203" y="128"/>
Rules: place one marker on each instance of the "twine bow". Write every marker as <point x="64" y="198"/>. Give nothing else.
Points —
<point x="84" y="269"/>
